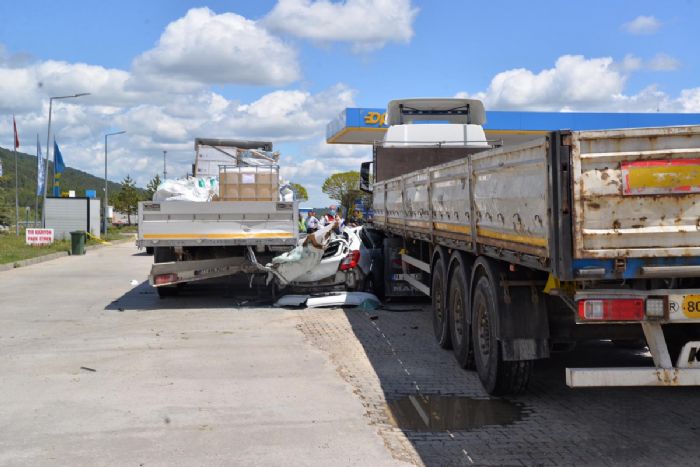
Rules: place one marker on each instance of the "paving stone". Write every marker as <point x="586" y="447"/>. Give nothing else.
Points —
<point x="396" y="355"/>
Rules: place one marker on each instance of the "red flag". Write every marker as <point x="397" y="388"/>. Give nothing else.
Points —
<point x="14" y="124"/>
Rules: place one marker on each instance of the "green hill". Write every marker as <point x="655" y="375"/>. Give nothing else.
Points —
<point x="72" y="179"/>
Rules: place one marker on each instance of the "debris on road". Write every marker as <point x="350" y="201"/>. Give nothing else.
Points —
<point x="364" y="300"/>
<point x="88" y="369"/>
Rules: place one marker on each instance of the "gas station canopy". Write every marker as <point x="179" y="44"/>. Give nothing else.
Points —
<point x="367" y="125"/>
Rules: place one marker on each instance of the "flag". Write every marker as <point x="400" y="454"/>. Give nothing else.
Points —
<point x="58" y="167"/>
<point x="14" y="125"/>
<point x="40" y="177"/>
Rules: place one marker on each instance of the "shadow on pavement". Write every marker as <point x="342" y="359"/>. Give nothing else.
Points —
<point x="215" y="294"/>
<point x="449" y="419"/>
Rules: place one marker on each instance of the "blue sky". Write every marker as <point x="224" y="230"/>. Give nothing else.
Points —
<point x="171" y="70"/>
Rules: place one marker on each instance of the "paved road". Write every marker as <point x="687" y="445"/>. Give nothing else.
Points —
<point x="207" y="380"/>
<point x="197" y="381"/>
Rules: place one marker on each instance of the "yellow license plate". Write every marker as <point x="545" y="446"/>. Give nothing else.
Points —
<point x="691" y="306"/>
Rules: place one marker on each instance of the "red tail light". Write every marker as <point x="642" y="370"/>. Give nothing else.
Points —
<point x="611" y="310"/>
<point x="165" y="279"/>
<point x="350" y="261"/>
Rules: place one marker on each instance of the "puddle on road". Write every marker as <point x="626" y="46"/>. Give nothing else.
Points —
<point x="454" y="413"/>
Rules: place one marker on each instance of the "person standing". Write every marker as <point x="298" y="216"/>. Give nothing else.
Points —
<point x="311" y="222"/>
<point x="329" y="217"/>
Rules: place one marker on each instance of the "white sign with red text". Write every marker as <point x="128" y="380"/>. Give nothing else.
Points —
<point x="39" y="236"/>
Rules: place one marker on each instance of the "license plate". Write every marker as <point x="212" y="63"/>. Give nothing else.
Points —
<point x="691" y="306"/>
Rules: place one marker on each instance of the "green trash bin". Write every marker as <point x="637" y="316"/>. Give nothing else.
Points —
<point x="77" y="243"/>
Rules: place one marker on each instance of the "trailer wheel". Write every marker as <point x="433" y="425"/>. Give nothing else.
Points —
<point x="458" y="305"/>
<point x="441" y="322"/>
<point x="499" y="377"/>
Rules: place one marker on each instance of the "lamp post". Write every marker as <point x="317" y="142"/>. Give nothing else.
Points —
<point x="104" y="222"/>
<point x="48" y="153"/>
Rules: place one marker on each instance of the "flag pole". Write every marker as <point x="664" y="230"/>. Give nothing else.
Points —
<point x="15" y="145"/>
<point x="39" y="162"/>
<point x="16" y="196"/>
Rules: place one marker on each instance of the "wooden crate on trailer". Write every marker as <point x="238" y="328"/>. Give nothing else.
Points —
<point x="259" y="183"/>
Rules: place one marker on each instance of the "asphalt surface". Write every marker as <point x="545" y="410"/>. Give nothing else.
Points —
<point x="97" y="370"/>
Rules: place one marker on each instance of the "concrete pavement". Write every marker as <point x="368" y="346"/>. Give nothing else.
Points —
<point x="190" y="381"/>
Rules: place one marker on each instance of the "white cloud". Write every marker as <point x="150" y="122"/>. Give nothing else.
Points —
<point x="203" y="47"/>
<point x="659" y="62"/>
<point x="642" y="25"/>
<point x="576" y="83"/>
<point x="689" y="100"/>
<point x="367" y="24"/>
<point x="631" y="63"/>
<point x="289" y="115"/>
<point x="154" y="125"/>
<point x="663" y="62"/>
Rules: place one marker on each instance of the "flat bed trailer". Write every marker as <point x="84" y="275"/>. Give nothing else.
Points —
<point x="528" y="249"/>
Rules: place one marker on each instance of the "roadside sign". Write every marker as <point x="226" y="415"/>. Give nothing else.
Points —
<point x="39" y="236"/>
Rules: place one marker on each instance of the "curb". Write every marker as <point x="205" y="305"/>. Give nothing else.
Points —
<point x="30" y="261"/>
<point x="52" y="256"/>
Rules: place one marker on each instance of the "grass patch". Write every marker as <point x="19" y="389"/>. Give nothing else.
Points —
<point x="13" y="248"/>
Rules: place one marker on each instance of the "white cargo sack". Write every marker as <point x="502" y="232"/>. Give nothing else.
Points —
<point x="200" y="189"/>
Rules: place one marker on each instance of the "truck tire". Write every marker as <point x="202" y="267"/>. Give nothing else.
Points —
<point x="441" y="322"/>
<point x="149" y="250"/>
<point x="458" y="306"/>
<point x="374" y="283"/>
<point x="498" y="377"/>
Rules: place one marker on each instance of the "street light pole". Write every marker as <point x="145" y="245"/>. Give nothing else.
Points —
<point x="104" y="222"/>
<point x="48" y="154"/>
<point x="165" y="172"/>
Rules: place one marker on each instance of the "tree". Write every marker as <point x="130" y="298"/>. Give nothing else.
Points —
<point x="127" y="199"/>
<point x="300" y="192"/>
<point x="343" y="187"/>
<point x="152" y="187"/>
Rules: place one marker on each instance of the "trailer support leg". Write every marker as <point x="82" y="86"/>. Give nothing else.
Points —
<point x="657" y="344"/>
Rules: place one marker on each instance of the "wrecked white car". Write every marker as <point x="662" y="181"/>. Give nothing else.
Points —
<point x="339" y="265"/>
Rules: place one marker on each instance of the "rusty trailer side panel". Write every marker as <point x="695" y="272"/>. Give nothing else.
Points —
<point x="560" y="202"/>
<point x="511" y="197"/>
<point x="498" y="198"/>
<point x="636" y="193"/>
